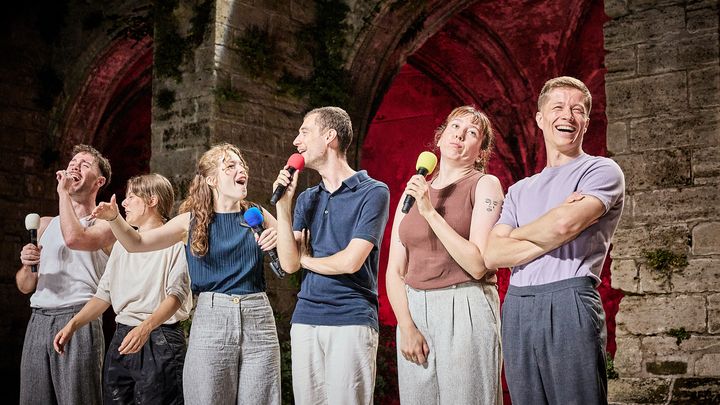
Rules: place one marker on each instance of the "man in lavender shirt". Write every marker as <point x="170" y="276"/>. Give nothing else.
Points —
<point x="555" y="231"/>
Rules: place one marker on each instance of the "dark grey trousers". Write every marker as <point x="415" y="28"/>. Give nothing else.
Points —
<point x="151" y="376"/>
<point x="554" y="343"/>
<point x="50" y="378"/>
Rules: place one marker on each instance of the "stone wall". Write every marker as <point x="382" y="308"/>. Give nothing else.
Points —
<point x="663" y="109"/>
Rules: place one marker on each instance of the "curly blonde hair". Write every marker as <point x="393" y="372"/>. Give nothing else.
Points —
<point x="480" y="119"/>
<point x="199" y="200"/>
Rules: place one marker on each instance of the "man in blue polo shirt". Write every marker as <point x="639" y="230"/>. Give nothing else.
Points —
<point x="335" y="237"/>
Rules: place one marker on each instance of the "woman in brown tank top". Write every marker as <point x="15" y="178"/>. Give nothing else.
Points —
<point x="442" y="294"/>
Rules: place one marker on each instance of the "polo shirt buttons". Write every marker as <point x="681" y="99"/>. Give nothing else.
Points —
<point x="326" y="211"/>
<point x="236" y="300"/>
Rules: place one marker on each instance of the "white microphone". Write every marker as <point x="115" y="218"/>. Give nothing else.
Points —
<point x="32" y="223"/>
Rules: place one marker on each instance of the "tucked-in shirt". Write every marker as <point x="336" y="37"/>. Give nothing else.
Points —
<point x="429" y="263"/>
<point x="358" y="209"/>
<point x="532" y="197"/>
<point x="233" y="263"/>
<point x="66" y="277"/>
<point x="136" y="283"/>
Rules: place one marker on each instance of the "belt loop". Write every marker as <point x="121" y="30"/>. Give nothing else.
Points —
<point x="212" y="300"/>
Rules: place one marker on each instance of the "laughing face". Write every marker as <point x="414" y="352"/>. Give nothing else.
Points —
<point x="311" y="141"/>
<point x="231" y="178"/>
<point x="84" y="172"/>
<point x="563" y="119"/>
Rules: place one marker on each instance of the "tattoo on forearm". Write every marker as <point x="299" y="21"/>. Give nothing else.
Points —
<point x="491" y="205"/>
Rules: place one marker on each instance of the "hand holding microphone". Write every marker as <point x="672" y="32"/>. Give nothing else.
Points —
<point x="425" y="165"/>
<point x="32" y="223"/>
<point x="295" y="163"/>
<point x="254" y="218"/>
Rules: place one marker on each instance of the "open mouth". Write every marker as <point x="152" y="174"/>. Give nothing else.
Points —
<point x="566" y="128"/>
<point x="241" y="181"/>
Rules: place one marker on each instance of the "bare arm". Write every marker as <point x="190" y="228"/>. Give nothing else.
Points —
<point x="468" y="253"/>
<point x="76" y="236"/>
<point x="413" y="345"/>
<point x="136" y="338"/>
<point x="25" y="279"/>
<point x="509" y="247"/>
<point x="91" y="311"/>
<point x="287" y="244"/>
<point x="346" y="261"/>
<point x="172" y="232"/>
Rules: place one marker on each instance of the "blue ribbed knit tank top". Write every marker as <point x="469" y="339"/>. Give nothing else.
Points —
<point x="234" y="261"/>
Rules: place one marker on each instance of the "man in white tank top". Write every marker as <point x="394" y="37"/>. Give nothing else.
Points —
<point x="70" y="260"/>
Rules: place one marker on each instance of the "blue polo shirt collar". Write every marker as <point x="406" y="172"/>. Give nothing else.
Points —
<point x="351" y="182"/>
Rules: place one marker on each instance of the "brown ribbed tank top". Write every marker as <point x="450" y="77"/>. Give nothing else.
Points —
<point x="429" y="263"/>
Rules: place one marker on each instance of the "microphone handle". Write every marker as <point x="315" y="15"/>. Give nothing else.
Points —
<point x="33" y="240"/>
<point x="274" y="261"/>
<point x="410" y="200"/>
<point x="280" y="189"/>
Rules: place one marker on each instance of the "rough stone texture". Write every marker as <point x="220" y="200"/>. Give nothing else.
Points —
<point x="708" y="365"/>
<point x="638" y="390"/>
<point x="642" y="26"/>
<point x="625" y="276"/>
<point x="656" y="169"/>
<point x="688" y="53"/>
<point x="713" y="313"/>
<point x="696" y="391"/>
<point x="697" y="127"/>
<point x="705" y="166"/>
<point x="704" y="87"/>
<point x="687" y="204"/>
<point x="617" y="138"/>
<point x="633" y="242"/>
<point x="701" y="275"/>
<point x="629" y="356"/>
<point x="657" y="314"/>
<point x="647" y="95"/>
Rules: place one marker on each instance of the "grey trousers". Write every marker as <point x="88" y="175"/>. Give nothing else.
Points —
<point x="554" y="343"/>
<point x="233" y="356"/>
<point x="47" y="377"/>
<point x="461" y="325"/>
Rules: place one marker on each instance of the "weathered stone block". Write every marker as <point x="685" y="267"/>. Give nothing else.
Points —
<point x="668" y="367"/>
<point x="642" y="26"/>
<point x="696" y="391"/>
<point x="625" y="276"/>
<point x="696" y="127"/>
<point x="713" y="305"/>
<point x="617" y="137"/>
<point x="706" y="238"/>
<point x="658" y="314"/>
<point x="646" y="95"/>
<point x="676" y="55"/>
<point x="701" y="275"/>
<point x="653" y="281"/>
<point x="628" y="357"/>
<point x="706" y="165"/>
<point x="708" y="365"/>
<point x="621" y="62"/>
<point x="704" y="87"/>
<point x="632" y="242"/>
<point x="655" y="169"/>
<point x="639" y="390"/>
<point x="700" y="203"/>
<point x="616" y="8"/>
<point x="702" y="19"/>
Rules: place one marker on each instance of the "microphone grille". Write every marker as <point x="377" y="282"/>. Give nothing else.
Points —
<point x="253" y="217"/>
<point x="297" y="161"/>
<point x="32" y="221"/>
<point x="426" y="160"/>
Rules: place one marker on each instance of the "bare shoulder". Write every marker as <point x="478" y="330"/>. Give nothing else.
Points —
<point x="489" y="184"/>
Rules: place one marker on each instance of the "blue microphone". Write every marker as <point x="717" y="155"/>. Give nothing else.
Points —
<point x="254" y="218"/>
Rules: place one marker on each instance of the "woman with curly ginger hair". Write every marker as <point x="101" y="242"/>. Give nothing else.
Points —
<point x="233" y="355"/>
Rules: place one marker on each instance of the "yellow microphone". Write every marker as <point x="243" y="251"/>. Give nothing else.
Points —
<point x="425" y="165"/>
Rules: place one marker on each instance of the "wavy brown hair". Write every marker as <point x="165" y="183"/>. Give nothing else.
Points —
<point x="199" y="200"/>
<point x="481" y="120"/>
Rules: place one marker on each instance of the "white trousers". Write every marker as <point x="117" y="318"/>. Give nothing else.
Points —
<point x="333" y="364"/>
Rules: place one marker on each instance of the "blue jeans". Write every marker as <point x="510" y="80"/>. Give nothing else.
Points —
<point x="233" y="356"/>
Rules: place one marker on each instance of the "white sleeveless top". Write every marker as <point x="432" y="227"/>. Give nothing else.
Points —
<point x="66" y="277"/>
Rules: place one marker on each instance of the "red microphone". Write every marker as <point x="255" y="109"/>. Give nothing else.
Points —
<point x="295" y="163"/>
